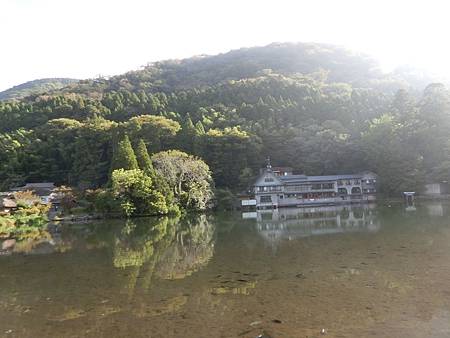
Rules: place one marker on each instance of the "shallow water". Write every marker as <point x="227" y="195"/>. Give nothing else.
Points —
<point x="351" y="272"/>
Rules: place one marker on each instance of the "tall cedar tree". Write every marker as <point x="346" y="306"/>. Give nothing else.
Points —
<point x="143" y="159"/>
<point x="123" y="156"/>
<point x="146" y="165"/>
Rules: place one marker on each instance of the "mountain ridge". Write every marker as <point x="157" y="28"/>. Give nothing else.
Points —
<point x="37" y="86"/>
<point x="336" y="64"/>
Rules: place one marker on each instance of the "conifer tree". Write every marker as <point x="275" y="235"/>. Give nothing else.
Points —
<point x="123" y="156"/>
<point x="144" y="161"/>
<point x="199" y="128"/>
<point x="146" y="165"/>
<point x="187" y="134"/>
<point x="189" y="125"/>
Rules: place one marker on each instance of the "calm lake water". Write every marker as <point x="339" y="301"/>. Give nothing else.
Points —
<point x="353" y="272"/>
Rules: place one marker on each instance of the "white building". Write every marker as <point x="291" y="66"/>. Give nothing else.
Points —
<point x="275" y="189"/>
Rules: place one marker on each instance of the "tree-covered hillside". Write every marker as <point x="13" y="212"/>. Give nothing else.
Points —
<point x="35" y="87"/>
<point x="317" y="108"/>
<point x="328" y="63"/>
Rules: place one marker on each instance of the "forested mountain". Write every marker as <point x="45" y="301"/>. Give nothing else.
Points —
<point x="35" y="87"/>
<point x="317" y="108"/>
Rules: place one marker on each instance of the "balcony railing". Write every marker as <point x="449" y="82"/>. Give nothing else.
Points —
<point x="268" y="189"/>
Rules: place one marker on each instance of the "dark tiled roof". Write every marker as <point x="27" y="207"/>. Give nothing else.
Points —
<point x="334" y="177"/>
<point x="282" y="169"/>
<point x="44" y="185"/>
<point x="40" y="189"/>
<point x="293" y="178"/>
<point x="303" y="178"/>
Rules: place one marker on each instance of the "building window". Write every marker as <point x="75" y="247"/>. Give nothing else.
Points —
<point x="356" y="190"/>
<point x="266" y="199"/>
<point x="281" y="197"/>
<point x="357" y="182"/>
<point x="273" y="188"/>
<point x="342" y="191"/>
<point x="323" y="186"/>
<point x="267" y="188"/>
<point x="297" y="188"/>
<point x="268" y="179"/>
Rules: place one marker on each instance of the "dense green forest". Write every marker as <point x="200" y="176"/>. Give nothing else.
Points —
<point x="35" y="87"/>
<point x="317" y="108"/>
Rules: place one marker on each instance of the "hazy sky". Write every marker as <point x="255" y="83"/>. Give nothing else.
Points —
<point x="85" y="38"/>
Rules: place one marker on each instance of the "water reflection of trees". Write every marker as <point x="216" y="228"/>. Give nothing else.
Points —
<point x="167" y="248"/>
<point x="192" y="248"/>
<point x="134" y="245"/>
<point x="147" y="248"/>
<point x="125" y="258"/>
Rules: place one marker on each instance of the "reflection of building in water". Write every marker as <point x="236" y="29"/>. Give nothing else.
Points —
<point x="288" y="223"/>
<point x="435" y="209"/>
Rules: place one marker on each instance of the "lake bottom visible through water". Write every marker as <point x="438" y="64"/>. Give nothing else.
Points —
<point x="346" y="271"/>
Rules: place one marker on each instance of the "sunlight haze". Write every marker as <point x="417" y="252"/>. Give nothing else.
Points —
<point x="84" y="39"/>
<point x="212" y="168"/>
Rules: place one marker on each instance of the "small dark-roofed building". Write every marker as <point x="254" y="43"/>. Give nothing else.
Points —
<point x="43" y="189"/>
<point x="36" y="187"/>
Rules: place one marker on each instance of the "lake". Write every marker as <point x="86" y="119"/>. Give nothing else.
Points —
<point x="360" y="271"/>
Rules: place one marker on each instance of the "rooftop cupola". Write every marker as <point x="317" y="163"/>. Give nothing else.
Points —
<point x="268" y="166"/>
